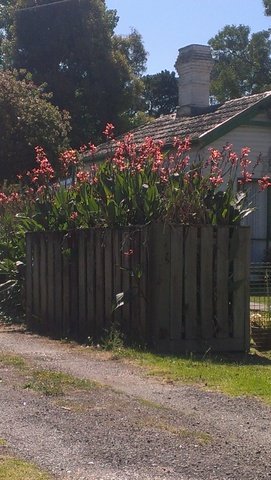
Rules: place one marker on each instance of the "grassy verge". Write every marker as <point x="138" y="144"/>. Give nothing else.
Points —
<point x="248" y="375"/>
<point x="14" y="469"/>
<point x="47" y="382"/>
<point x="12" y="361"/>
<point x="56" y="383"/>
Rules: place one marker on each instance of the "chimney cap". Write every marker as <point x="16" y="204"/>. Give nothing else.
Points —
<point x="194" y="52"/>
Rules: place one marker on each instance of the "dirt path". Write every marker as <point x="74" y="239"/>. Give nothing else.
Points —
<point x="134" y="428"/>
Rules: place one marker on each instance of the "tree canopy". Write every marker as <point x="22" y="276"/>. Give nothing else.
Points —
<point x="27" y="119"/>
<point x="242" y="62"/>
<point x="71" y="45"/>
<point x="267" y="6"/>
<point x="160" y="94"/>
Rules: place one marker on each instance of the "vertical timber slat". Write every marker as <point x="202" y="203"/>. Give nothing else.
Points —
<point x="50" y="283"/>
<point x="74" y="275"/>
<point x="57" y="327"/>
<point x="66" y="259"/>
<point x="135" y="333"/>
<point x="222" y="281"/>
<point x="91" y="300"/>
<point x="116" y="266"/>
<point x="108" y="289"/>
<point x="36" y="278"/>
<point x="190" y="285"/>
<point x="246" y="251"/>
<point x="241" y="288"/>
<point x="82" y="313"/>
<point x="144" y="284"/>
<point x="43" y="280"/>
<point x="206" y="282"/>
<point x="99" y="247"/>
<point x="125" y="280"/>
<point x="160" y="284"/>
<point x="176" y="284"/>
<point x="28" y="279"/>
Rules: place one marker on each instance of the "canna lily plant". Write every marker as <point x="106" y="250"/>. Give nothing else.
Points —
<point x="134" y="185"/>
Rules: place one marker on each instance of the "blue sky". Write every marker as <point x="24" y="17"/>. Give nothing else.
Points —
<point x="169" y="25"/>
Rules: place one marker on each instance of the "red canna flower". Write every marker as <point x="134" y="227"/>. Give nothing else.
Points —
<point x="44" y="173"/>
<point x="109" y="131"/>
<point x="216" y="180"/>
<point x="82" y="176"/>
<point x="92" y="148"/>
<point x="245" y="151"/>
<point x="3" y="198"/>
<point x="264" y="183"/>
<point x="233" y="158"/>
<point x="68" y="159"/>
<point x="83" y="149"/>
<point x="74" y="216"/>
<point x="246" y="177"/>
<point x="129" y="252"/>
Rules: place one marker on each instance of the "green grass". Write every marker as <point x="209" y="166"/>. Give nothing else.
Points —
<point x="234" y="375"/>
<point x="46" y="382"/>
<point x="200" y="437"/>
<point x="56" y="383"/>
<point x="14" y="469"/>
<point x="12" y="361"/>
<point x="151" y="404"/>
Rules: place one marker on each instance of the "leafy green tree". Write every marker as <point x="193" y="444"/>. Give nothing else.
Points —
<point x="160" y="94"/>
<point x="27" y="119"/>
<point x="132" y="48"/>
<point x="242" y="62"/>
<point x="71" y="46"/>
<point x="6" y="31"/>
<point x="267" y="6"/>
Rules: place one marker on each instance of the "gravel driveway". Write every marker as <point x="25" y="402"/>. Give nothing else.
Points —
<point x="131" y="426"/>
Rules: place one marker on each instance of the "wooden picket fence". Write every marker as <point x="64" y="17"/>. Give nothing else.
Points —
<point x="185" y="288"/>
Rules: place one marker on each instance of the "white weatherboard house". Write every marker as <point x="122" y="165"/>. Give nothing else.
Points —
<point x="244" y="121"/>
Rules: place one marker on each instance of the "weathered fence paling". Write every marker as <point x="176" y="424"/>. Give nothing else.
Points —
<point x="185" y="287"/>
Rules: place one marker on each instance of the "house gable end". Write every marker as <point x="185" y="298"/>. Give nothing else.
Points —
<point x="245" y="117"/>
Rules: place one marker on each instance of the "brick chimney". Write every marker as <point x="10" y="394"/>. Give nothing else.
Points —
<point x="194" y="65"/>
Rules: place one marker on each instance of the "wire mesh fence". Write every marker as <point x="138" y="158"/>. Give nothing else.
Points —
<point x="260" y="304"/>
<point x="260" y="288"/>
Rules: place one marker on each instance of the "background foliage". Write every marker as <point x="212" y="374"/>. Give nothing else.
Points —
<point x="93" y="73"/>
<point x="267" y="6"/>
<point x="160" y="95"/>
<point x="27" y="118"/>
<point x="242" y="62"/>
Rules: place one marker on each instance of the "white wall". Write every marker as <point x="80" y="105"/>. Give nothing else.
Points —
<point x="258" y="139"/>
